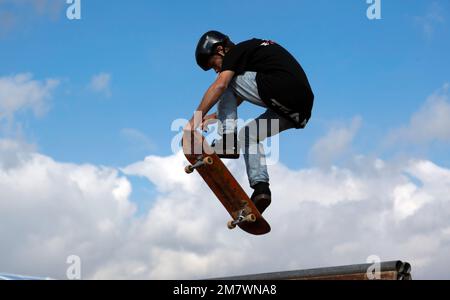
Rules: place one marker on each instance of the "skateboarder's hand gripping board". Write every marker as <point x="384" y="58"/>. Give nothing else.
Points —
<point x="208" y="120"/>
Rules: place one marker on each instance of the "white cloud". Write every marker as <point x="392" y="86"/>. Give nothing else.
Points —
<point x="51" y="210"/>
<point x="396" y="209"/>
<point x="101" y="83"/>
<point x="13" y="152"/>
<point x="407" y="200"/>
<point x="21" y="92"/>
<point x="335" y="143"/>
<point x="430" y="123"/>
<point x="319" y="217"/>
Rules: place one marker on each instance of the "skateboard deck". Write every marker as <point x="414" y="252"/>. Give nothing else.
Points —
<point x="223" y="184"/>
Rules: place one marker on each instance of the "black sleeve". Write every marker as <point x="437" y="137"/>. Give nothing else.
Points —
<point x="236" y="59"/>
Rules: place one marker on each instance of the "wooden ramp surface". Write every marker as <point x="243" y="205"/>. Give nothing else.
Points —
<point x="391" y="270"/>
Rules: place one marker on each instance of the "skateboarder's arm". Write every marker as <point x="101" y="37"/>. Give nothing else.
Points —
<point x="211" y="97"/>
<point x="212" y="118"/>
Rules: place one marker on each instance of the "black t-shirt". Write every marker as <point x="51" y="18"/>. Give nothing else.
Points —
<point x="282" y="83"/>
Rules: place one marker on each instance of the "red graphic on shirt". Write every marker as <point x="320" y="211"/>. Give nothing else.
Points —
<point x="268" y="42"/>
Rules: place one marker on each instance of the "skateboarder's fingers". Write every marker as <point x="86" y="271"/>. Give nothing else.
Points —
<point x="212" y="118"/>
<point x="206" y="122"/>
<point x="205" y="127"/>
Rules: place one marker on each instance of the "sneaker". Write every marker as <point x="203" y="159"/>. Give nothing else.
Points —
<point x="262" y="197"/>
<point x="227" y="147"/>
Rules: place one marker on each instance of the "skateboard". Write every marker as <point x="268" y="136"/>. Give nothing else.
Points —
<point x="205" y="161"/>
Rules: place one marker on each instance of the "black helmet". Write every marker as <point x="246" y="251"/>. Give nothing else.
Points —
<point x="207" y="45"/>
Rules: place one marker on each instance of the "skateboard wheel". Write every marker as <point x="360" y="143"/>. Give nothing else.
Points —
<point x="208" y="160"/>
<point x="250" y="218"/>
<point x="189" y="169"/>
<point x="230" y="225"/>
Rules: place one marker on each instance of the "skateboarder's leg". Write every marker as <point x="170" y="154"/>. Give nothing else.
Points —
<point x="227" y="112"/>
<point x="242" y="87"/>
<point x="246" y="88"/>
<point x="226" y="146"/>
<point x="250" y="138"/>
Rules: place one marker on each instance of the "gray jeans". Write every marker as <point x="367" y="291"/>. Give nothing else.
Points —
<point x="252" y="134"/>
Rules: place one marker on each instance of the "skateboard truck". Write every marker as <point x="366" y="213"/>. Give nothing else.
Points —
<point x="242" y="217"/>
<point x="201" y="161"/>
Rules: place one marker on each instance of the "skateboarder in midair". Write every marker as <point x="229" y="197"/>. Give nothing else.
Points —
<point x="265" y="74"/>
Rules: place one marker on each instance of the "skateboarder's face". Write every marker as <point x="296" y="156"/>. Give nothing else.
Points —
<point x="215" y="62"/>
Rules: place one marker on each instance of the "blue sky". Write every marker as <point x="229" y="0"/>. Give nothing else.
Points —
<point x="380" y="70"/>
<point x="104" y="91"/>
